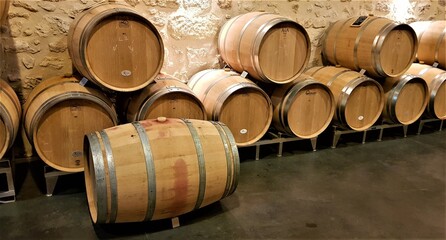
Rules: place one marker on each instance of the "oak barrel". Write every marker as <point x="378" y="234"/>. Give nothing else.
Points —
<point x="303" y="107"/>
<point x="271" y="48"/>
<point x="57" y="115"/>
<point x="4" y="7"/>
<point x="167" y="97"/>
<point x="406" y="99"/>
<point x="378" y="45"/>
<point x="431" y="42"/>
<point x="10" y="113"/>
<point x="115" y="47"/>
<point x="436" y="81"/>
<point x="236" y="101"/>
<point x="137" y="171"/>
<point x="359" y="99"/>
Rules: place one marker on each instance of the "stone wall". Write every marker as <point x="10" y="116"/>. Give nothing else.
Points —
<point x="34" y="38"/>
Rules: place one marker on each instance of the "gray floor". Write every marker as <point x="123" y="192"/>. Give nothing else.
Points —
<point x="380" y="190"/>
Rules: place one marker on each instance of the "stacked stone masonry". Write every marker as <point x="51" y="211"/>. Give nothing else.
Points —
<point x="34" y="38"/>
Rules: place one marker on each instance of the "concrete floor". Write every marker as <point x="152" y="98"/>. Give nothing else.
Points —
<point x="379" y="190"/>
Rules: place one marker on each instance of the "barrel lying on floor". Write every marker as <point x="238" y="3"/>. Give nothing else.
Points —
<point x="157" y="169"/>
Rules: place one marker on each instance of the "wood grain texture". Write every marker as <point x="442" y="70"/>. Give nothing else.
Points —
<point x="176" y="170"/>
<point x="165" y="97"/>
<point x="4" y="8"/>
<point x="359" y="99"/>
<point x="269" y="47"/>
<point x="10" y="114"/>
<point x="379" y="46"/>
<point x="406" y="99"/>
<point x="235" y="101"/>
<point x="436" y="81"/>
<point x="116" y="47"/>
<point x="57" y="115"/>
<point x="303" y="107"/>
<point x="432" y="42"/>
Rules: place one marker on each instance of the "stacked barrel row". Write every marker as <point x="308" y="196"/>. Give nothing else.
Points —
<point x="383" y="51"/>
<point x="273" y="51"/>
<point x="118" y="55"/>
<point x="431" y="64"/>
<point x="134" y="171"/>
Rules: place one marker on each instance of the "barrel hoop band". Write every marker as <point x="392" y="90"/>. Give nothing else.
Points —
<point x="229" y="171"/>
<point x="424" y="71"/>
<point x="435" y="85"/>
<point x="438" y="45"/>
<point x="259" y="36"/>
<point x="393" y="97"/>
<point x="242" y="32"/>
<point x="63" y="97"/>
<point x="357" y="41"/>
<point x="345" y="94"/>
<point x="201" y="162"/>
<point x="150" y="100"/>
<point x="235" y="156"/>
<point x="377" y="47"/>
<point x="195" y="78"/>
<point x="13" y="98"/>
<point x="4" y="115"/>
<point x="332" y="79"/>
<point x="150" y="170"/>
<point x="324" y="41"/>
<point x="112" y="176"/>
<point x="215" y="82"/>
<point x="27" y="103"/>
<point x="100" y="180"/>
<point x="222" y="38"/>
<point x="88" y="30"/>
<point x="290" y="96"/>
<point x="228" y="92"/>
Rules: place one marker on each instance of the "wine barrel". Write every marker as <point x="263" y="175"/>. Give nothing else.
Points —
<point x="406" y="99"/>
<point x="57" y="115"/>
<point x="431" y="42"/>
<point x="303" y="107"/>
<point x="167" y="97"/>
<point x="237" y="102"/>
<point x="137" y="171"/>
<point x="436" y="81"/>
<point x="115" y="47"/>
<point x="10" y="113"/>
<point x="378" y="45"/>
<point x="4" y="7"/>
<point x="269" y="47"/>
<point x="359" y="99"/>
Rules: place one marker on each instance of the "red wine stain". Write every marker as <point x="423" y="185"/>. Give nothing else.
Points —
<point x="181" y="182"/>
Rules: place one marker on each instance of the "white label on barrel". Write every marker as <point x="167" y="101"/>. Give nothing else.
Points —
<point x="360" y="118"/>
<point x="83" y="81"/>
<point x="126" y="73"/>
<point x="244" y="74"/>
<point x="243" y="131"/>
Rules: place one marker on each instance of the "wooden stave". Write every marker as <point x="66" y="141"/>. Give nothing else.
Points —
<point x="393" y="88"/>
<point x="37" y="105"/>
<point x="251" y="64"/>
<point x="203" y="87"/>
<point x="101" y="168"/>
<point x="342" y="99"/>
<point x="138" y="106"/>
<point x="10" y="114"/>
<point x="77" y="40"/>
<point x="376" y="69"/>
<point x="436" y="80"/>
<point x="281" y="101"/>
